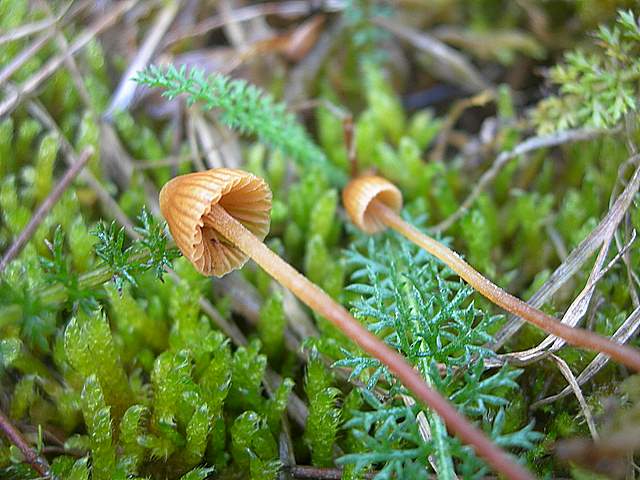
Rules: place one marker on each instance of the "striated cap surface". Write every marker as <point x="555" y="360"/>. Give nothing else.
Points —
<point x="185" y="202"/>
<point x="360" y="192"/>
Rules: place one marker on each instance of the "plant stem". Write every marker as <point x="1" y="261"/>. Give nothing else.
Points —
<point x="626" y="355"/>
<point x="44" y="209"/>
<point x="38" y="463"/>
<point x="314" y="297"/>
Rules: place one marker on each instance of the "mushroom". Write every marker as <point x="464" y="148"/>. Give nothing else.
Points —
<point x="219" y="218"/>
<point x="373" y="203"/>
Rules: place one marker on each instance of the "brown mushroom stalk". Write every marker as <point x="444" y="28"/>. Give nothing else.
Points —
<point x="219" y="218"/>
<point x="373" y="203"/>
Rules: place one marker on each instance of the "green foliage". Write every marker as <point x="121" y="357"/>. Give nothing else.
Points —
<point x="98" y="421"/>
<point x="248" y="367"/>
<point x="43" y="168"/>
<point x="408" y="299"/>
<point x="131" y="427"/>
<point x="132" y="375"/>
<point x="271" y="326"/>
<point x="324" y="417"/>
<point x="150" y="253"/>
<point x="596" y="89"/>
<point x="253" y="446"/>
<point x="243" y="107"/>
<point x="90" y="350"/>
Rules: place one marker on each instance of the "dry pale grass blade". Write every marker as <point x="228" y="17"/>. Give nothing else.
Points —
<point x="423" y="428"/>
<point x="445" y="63"/>
<point x="573" y="315"/>
<point x="24" y="56"/>
<point x="576" y="258"/>
<point x="30" y="86"/>
<point x="484" y="45"/>
<point x="302" y="76"/>
<point x="220" y="147"/>
<point x="454" y="114"/>
<point x="205" y="140"/>
<point x="573" y="384"/>
<point x="194" y="149"/>
<point x="579" y="306"/>
<point x="629" y="328"/>
<point x="126" y="89"/>
<point x="69" y="61"/>
<point x="27" y="29"/>
<point x="36" y="45"/>
<point x="529" y="145"/>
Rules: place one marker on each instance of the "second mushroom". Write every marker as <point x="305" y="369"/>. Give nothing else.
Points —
<point x="373" y="203"/>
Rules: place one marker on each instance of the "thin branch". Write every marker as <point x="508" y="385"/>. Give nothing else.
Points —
<point x="108" y="203"/>
<point x="576" y="258"/>
<point x="44" y="208"/>
<point x="39" y="464"/>
<point x="529" y="145"/>
<point x="586" y="411"/>
<point x="630" y="326"/>
<point x="319" y="473"/>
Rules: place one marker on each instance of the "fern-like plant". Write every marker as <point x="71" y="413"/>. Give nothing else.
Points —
<point x="409" y="300"/>
<point x="243" y="107"/>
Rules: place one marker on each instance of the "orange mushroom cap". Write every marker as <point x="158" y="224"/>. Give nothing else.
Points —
<point x="185" y="202"/>
<point x="360" y="192"/>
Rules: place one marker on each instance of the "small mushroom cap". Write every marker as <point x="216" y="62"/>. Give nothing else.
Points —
<point x="360" y="192"/>
<point x="185" y="202"/>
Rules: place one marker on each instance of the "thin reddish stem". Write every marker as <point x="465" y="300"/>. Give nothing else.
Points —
<point x="319" y="301"/>
<point x="38" y="463"/>
<point x="624" y="354"/>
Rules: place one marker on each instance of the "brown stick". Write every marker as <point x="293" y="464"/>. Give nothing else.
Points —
<point x="576" y="336"/>
<point x="44" y="208"/>
<point x="38" y="463"/>
<point x="319" y="301"/>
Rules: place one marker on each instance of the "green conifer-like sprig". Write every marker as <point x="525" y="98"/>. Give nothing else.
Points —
<point x="243" y="107"/>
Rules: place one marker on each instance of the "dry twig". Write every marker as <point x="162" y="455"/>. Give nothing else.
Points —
<point x="630" y="326"/>
<point x="44" y="208"/>
<point x="529" y="145"/>
<point x="576" y="258"/>
<point x="573" y="384"/>
<point x="38" y="463"/>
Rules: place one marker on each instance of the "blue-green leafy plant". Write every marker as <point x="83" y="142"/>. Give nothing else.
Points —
<point x="409" y="300"/>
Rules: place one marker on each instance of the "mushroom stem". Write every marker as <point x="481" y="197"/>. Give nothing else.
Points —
<point x="314" y="297"/>
<point x="626" y="355"/>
